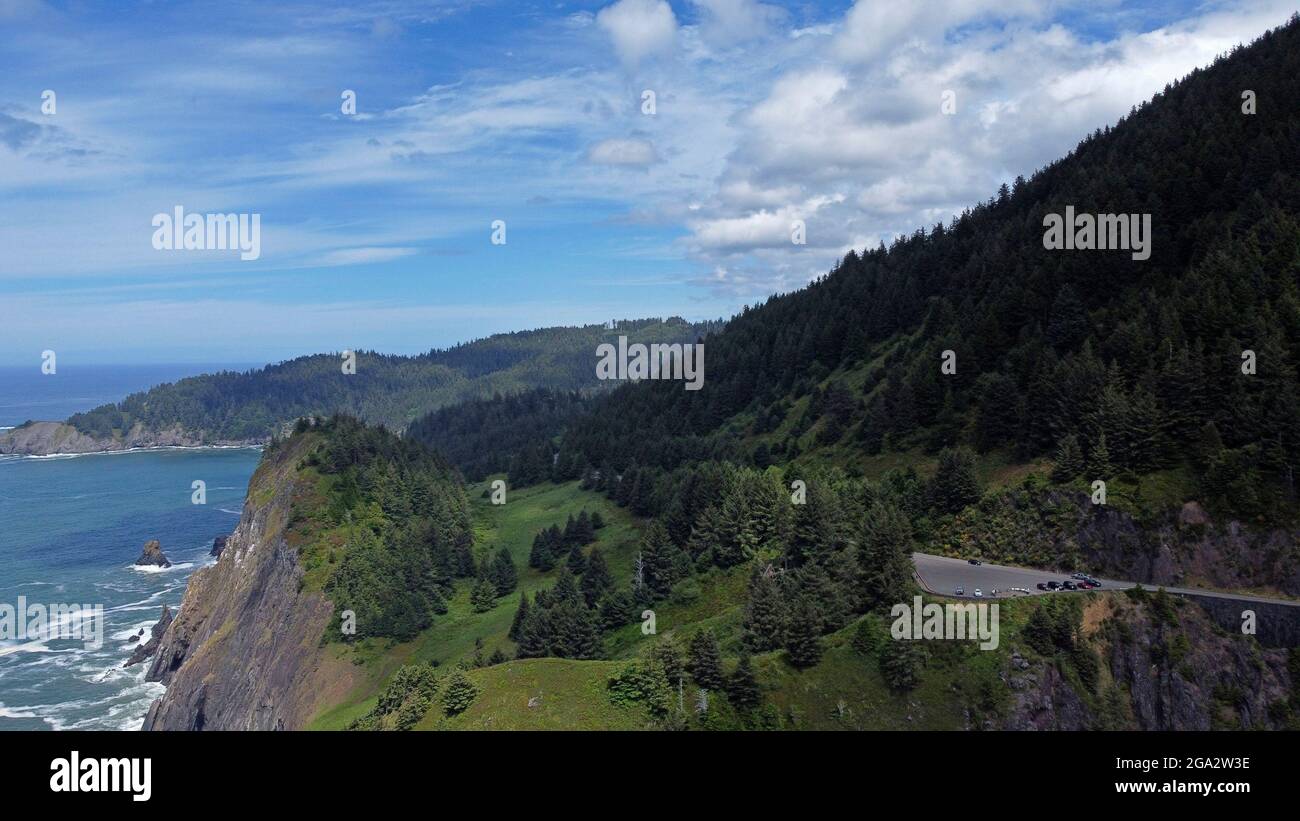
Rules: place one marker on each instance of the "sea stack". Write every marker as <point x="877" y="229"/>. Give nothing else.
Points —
<point x="153" y="555"/>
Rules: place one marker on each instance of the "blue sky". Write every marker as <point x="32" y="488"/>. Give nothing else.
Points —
<point x="376" y="227"/>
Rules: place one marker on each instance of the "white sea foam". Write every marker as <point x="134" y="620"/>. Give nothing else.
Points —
<point x="153" y="568"/>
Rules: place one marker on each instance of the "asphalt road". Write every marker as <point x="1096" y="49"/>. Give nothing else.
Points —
<point x="943" y="575"/>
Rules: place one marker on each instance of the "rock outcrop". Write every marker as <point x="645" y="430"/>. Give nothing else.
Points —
<point x="145" y="651"/>
<point x="152" y="555"/>
<point x="46" y="438"/>
<point x="218" y="545"/>
<point x="1179" y="672"/>
<point x="244" y="652"/>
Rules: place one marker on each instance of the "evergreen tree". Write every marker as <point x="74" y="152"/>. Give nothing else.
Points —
<point x="706" y="660"/>
<point x="1099" y="464"/>
<point x="803" y="635"/>
<point x="765" y="614"/>
<point x="459" y="693"/>
<point x="541" y="556"/>
<point x="742" y="686"/>
<point x="597" y="520"/>
<point x="577" y="561"/>
<point x="667" y="653"/>
<point x="885" y="547"/>
<point x="503" y="573"/>
<point x="900" y="664"/>
<point x="665" y="563"/>
<point x="597" y="579"/>
<point x="1069" y="460"/>
<point x="483" y="595"/>
<point x="583" y="529"/>
<point x="616" y="610"/>
<point x="535" y="634"/>
<point x="955" y="484"/>
<point x="521" y="615"/>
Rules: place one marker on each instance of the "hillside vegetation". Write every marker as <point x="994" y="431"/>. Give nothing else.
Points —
<point x="385" y="389"/>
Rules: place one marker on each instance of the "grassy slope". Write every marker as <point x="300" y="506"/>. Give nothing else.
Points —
<point x="846" y="690"/>
<point x="453" y="636"/>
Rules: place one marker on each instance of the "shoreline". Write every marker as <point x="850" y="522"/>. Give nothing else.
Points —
<point x="140" y="449"/>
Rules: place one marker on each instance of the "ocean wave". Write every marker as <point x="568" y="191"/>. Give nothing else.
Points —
<point x="153" y="568"/>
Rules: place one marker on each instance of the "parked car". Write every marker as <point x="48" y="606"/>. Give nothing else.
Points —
<point x="1068" y="586"/>
<point x="978" y="594"/>
<point x="1042" y="585"/>
<point x="1086" y="585"/>
<point x="1053" y="585"/>
<point x="975" y="561"/>
<point x="1079" y="576"/>
<point x="960" y="591"/>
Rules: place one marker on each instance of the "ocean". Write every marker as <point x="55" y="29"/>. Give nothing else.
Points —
<point x="71" y="528"/>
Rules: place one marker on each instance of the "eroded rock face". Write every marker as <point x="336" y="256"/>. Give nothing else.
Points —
<point x="244" y="652"/>
<point x="153" y="555"/>
<point x="218" y="545"/>
<point x="1185" y="674"/>
<point x="146" y="650"/>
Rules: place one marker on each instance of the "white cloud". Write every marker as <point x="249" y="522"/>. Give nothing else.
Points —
<point x="728" y="22"/>
<point x="639" y="28"/>
<point x="622" y="152"/>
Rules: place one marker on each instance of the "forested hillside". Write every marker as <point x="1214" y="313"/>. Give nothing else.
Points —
<point x="385" y="389"/>
<point x="1110" y="367"/>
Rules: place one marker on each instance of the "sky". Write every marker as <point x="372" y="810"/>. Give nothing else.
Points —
<point x="647" y="158"/>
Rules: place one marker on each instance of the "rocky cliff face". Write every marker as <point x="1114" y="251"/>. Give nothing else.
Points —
<point x="1177" y="672"/>
<point x="45" y="438"/>
<point x="244" y="651"/>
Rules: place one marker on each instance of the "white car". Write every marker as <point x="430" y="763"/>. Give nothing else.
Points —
<point x="978" y="594"/>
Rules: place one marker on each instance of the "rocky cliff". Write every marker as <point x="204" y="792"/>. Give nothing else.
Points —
<point x="244" y="652"/>
<point x="1167" y="668"/>
<point x="46" y="438"/>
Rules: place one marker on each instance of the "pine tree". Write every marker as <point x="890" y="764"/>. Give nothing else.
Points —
<point x="667" y="653"/>
<point x="483" y="595"/>
<point x="459" y="693"/>
<point x="541" y="556"/>
<point x="584" y="529"/>
<point x="577" y="562"/>
<point x="566" y="587"/>
<point x="597" y="579"/>
<point x="503" y="573"/>
<point x="742" y="686"/>
<point x="1099" y="464"/>
<point x="521" y="615"/>
<point x="706" y="660"/>
<point x="1069" y="460"/>
<point x="765" y="613"/>
<point x="616" y="610"/>
<point x="900" y="664"/>
<point x="535" y="634"/>
<point x="885" y="557"/>
<point x="803" y="635"/>
<point x="597" y="521"/>
<point x="955" y="484"/>
<point x="665" y="563"/>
